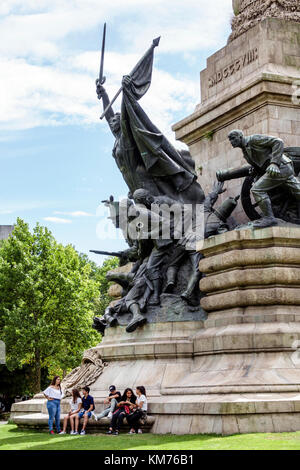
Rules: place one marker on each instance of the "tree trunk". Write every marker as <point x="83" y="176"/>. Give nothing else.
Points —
<point x="37" y="372"/>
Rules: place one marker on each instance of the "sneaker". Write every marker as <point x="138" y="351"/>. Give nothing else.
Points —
<point x="94" y="416"/>
<point x="131" y="431"/>
<point x="62" y="432"/>
<point x="52" y="432"/>
<point x="115" y="433"/>
<point x="109" y="431"/>
<point x="75" y="433"/>
<point x="82" y="433"/>
<point x="109" y="415"/>
<point x="72" y="433"/>
<point x="140" y="431"/>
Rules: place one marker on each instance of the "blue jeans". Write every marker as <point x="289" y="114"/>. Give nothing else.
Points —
<point x="53" y="407"/>
<point x="109" y="409"/>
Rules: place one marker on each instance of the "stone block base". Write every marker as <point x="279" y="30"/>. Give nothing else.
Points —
<point x="192" y="386"/>
<point x="236" y="372"/>
<point x="39" y="421"/>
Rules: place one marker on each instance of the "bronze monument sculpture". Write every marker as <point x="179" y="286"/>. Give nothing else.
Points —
<point x="161" y="178"/>
<point x="271" y="178"/>
<point x="221" y="355"/>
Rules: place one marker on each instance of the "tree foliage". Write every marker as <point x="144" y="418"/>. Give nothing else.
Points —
<point x="48" y="297"/>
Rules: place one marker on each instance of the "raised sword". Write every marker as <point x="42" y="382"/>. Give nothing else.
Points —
<point x="101" y="79"/>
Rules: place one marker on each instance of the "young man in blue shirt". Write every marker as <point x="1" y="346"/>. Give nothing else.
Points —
<point x="88" y="406"/>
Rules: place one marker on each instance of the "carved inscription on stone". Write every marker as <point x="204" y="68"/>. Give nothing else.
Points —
<point x="234" y="67"/>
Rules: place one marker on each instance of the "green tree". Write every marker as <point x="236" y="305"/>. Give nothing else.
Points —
<point x="18" y="383"/>
<point x="47" y="295"/>
<point x="103" y="300"/>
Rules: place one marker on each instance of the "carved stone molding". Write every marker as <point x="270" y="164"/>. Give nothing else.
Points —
<point x="86" y="374"/>
<point x="249" y="13"/>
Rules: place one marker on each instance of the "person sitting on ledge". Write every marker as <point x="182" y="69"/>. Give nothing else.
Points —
<point x="140" y="411"/>
<point x="75" y="406"/>
<point x="112" y="400"/>
<point x="86" y="413"/>
<point x="124" y="408"/>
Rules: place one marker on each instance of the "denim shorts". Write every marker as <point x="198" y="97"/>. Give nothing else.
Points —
<point x="81" y="413"/>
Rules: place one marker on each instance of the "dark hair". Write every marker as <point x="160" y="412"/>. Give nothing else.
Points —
<point x="142" y="389"/>
<point x="54" y="381"/>
<point x="124" y="396"/>
<point x="87" y="389"/>
<point x="75" y="394"/>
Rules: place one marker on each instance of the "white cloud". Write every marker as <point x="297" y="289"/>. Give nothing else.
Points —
<point x="75" y="214"/>
<point x="45" y="81"/>
<point x="57" y="220"/>
<point x="31" y="26"/>
<point x="20" y="206"/>
<point x="5" y="212"/>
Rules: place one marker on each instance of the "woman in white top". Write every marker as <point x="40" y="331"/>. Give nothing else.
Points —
<point x="140" y="412"/>
<point x="75" y="406"/>
<point x="54" y="394"/>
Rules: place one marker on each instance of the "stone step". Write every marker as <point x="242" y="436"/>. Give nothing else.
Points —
<point x="198" y="403"/>
<point x="39" y="405"/>
<point x="39" y="421"/>
<point x="29" y="406"/>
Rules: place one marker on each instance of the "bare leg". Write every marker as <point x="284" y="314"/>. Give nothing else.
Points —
<point x="72" y="422"/>
<point x="65" y="423"/>
<point x="85" y="420"/>
<point x="76" y="422"/>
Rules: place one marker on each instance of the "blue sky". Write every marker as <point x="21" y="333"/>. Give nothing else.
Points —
<point x="55" y="153"/>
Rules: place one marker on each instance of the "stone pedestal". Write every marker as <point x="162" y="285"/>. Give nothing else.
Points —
<point x="252" y="287"/>
<point x="236" y="372"/>
<point x="250" y="84"/>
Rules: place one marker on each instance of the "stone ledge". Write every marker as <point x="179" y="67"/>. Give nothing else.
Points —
<point x="147" y="350"/>
<point x="150" y="333"/>
<point x="205" y="407"/>
<point x="33" y="405"/>
<point x="225" y="390"/>
<point x="265" y="89"/>
<point x="40" y="421"/>
<point x="277" y="276"/>
<point x="271" y="237"/>
<point x="247" y="297"/>
<point x="254" y="314"/>
<point x="248" y="337"/>
<point x="227" y="424"/>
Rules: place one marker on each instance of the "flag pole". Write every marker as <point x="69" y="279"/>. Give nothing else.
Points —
<point x="154" y="44"/>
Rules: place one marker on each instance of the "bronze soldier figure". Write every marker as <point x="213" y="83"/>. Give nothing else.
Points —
<point x="143" y="154"/>
<point x="272" y="167"/>
<point x="162" y="245"/>
<point x="134" y="301"/>
<point x="214" y="222"/>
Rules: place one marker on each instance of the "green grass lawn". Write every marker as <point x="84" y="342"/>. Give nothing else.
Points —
<point x="13" y="439"/>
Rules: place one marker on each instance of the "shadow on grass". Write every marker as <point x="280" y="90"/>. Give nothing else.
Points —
<point x="35" y="440"/>
<point x="12" y="438"/>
